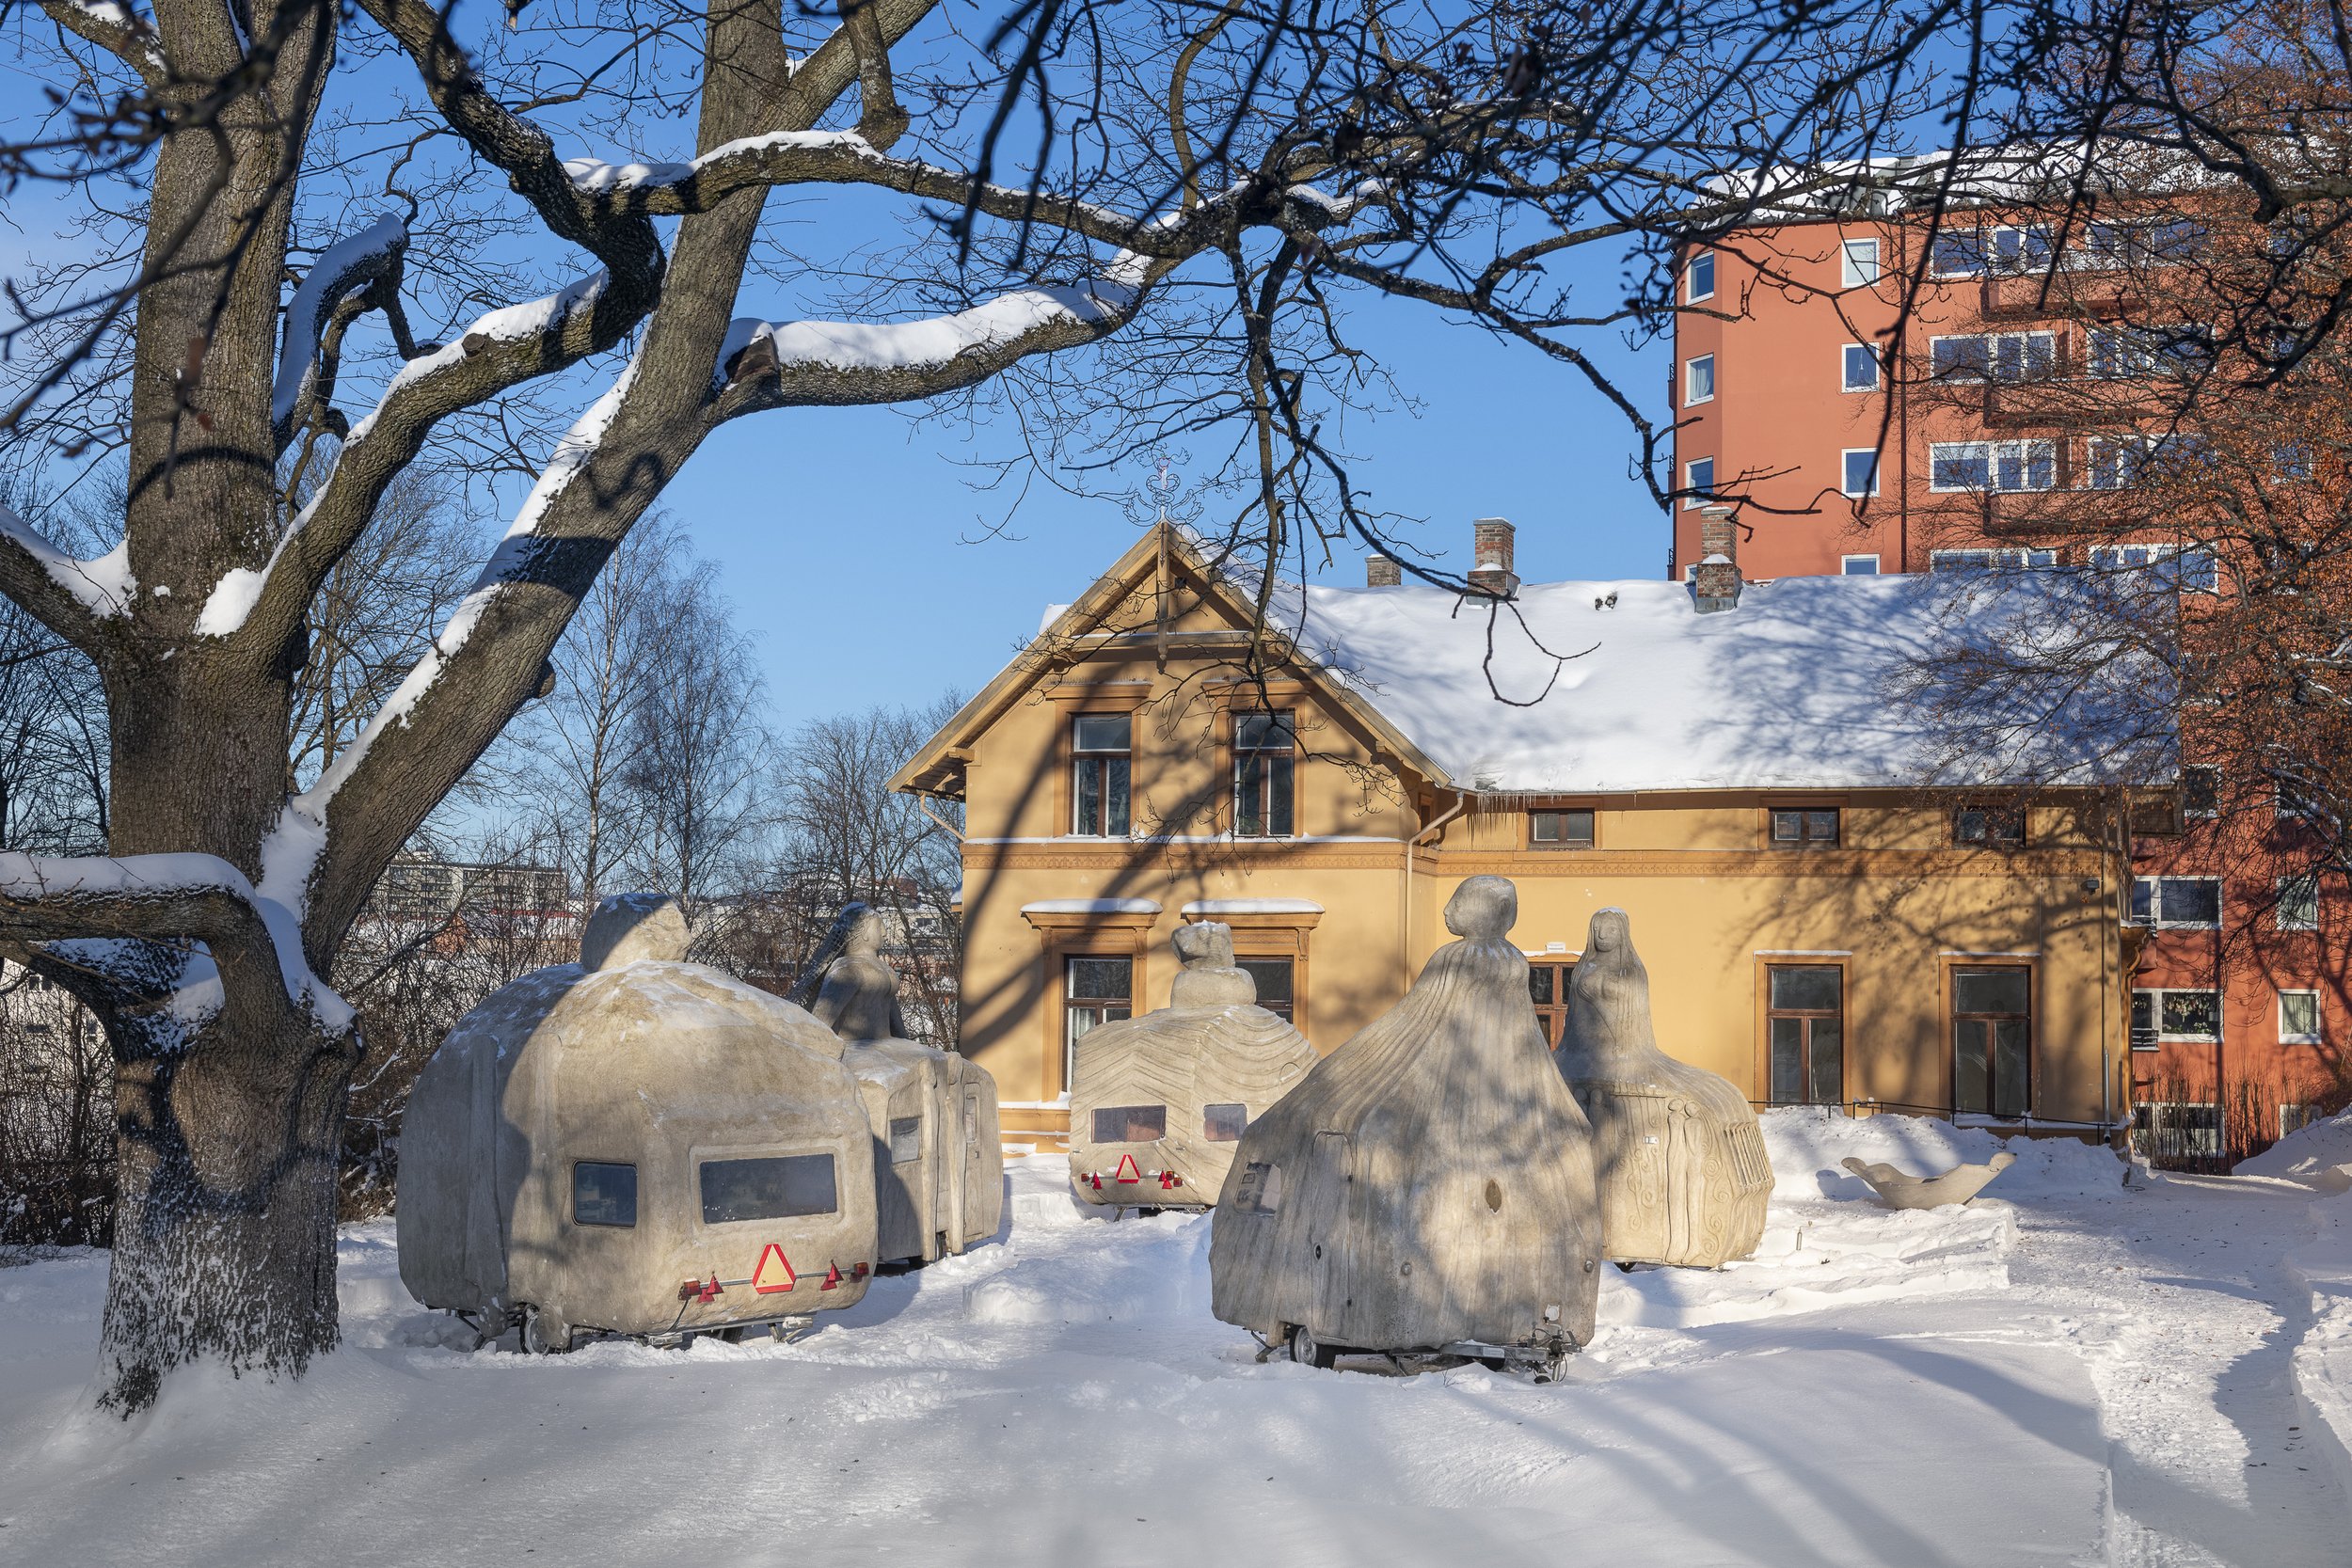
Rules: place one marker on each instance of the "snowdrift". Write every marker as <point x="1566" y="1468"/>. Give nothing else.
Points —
<point x="2319" y="1156"/>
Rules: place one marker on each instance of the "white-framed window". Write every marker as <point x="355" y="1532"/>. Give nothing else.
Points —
<point x="1858" y="565"/>
<point x="2293" y="1118"/>
<point x="2121" y="353"/>
<point x="1994" y="356"/>
<point x="1991" y="466"/>
<point x="2113" y="243"/>
<point x="1858" y="471"/>
<point x="1991" y="561"/>
<point x="1698" y="279"/>
<point x="2021" y="250"/>
<point x="2194" y="568"/>
<point x="2297" y="908"/>
<point x="2189" y="901"/>
<point x="2164" y="1013"/>
<point x="2170" y="1129"/>
<point x="1698" y="380"/>
<point x="2298" y="1018"/>
<point x="1698" y="477"/>
<point x="1858" y="367"/>
<point x="1957" y="253"/>
<point x="1858" y="263"/>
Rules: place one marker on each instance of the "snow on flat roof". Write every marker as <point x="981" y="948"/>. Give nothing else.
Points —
<point x="1790" y="688"/>
<point x="1092" y="906"/>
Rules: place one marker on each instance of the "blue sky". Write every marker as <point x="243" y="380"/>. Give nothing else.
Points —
<point x="852" y="543"/>
<point x="856" y="551"/>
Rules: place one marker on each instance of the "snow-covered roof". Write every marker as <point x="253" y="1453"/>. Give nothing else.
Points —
<point x="1796" y="687"/>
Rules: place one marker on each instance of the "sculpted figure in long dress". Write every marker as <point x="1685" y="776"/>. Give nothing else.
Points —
<point x="1683" y="1175"/>
<point x="938" y="1156"/>
<point x="1429" y="1185"/>
<point x="1158" y="1103"/>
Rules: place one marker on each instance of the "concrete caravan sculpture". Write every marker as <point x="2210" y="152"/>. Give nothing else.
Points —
<point x="1428" y="1186"/>
<point x="937" y="1153"/>
<point x="1158" y="1103"/>
<point x="635" y="1145"/>
<point x="1683" y="1175"/>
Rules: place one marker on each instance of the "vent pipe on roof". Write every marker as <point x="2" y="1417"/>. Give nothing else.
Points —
<point x="1380" y="572"/>
<point x="1715" y="582"/>
<point x="1491" y="539"/>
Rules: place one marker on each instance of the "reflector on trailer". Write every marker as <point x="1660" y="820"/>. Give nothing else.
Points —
<point x="769" y="1280"/>
<point x="1128" y="1172"/>
<point x="832" y="1278"/>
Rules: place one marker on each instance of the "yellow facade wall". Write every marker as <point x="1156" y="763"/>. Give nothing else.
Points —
<point x="1895" y="905"/>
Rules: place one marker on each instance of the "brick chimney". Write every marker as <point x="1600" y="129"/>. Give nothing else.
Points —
<point x="1490" y="558"/>
<point x="1380" y="572"/>
<point x="1715" y="583"/>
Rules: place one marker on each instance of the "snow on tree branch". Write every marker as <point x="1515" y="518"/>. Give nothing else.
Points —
<point x="67" y="595"/>
<point x="193" y="896"/>
<point x="502" y="348"/>
<point x="353" y="263"/>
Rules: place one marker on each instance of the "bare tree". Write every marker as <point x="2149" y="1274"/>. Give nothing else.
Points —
<point x="1192" y="192"/>
<point x="849" y="838"/>
<point x="583" y="743"/>
<point x="698" y="748"/>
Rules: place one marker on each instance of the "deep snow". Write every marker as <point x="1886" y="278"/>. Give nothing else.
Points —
<point x="2071" y="1370"/>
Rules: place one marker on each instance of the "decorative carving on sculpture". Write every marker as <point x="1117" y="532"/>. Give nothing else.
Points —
<point x="938" y="1155"/>
<point x="1683" y="1175"/>
<point x="1428" y="1186"/>
<point x="565" y="1150"/>
<point x="1959" y="1184"/>
<point x="1158" y="1103"/>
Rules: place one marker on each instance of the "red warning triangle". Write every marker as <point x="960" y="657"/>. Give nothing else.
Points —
<point x="1128" y="1171"/>
<point x="832" y="1278"/>
<point x="774" y="1272"/>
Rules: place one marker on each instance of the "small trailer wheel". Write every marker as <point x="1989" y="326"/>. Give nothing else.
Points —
<point x="545" y="1334"/>
<point x="1307" y="1351"/>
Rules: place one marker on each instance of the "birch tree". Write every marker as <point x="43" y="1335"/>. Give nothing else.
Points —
<point x="1118" y="226"/>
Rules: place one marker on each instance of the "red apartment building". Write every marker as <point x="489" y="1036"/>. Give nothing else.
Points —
<point x="1840" y="458"/>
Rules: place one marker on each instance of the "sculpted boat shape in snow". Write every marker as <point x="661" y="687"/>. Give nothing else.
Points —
<point x="1959" y="1184"/>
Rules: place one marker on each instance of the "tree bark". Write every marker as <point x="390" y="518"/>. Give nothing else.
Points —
<point x="227" y="1142"/>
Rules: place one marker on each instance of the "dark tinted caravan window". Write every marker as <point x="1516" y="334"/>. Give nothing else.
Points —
<point x="771" y="1189"/>
<point x="1130" y="1124"/>
<point x="1224" y="1124"/>
<point x="603" y="1194"/>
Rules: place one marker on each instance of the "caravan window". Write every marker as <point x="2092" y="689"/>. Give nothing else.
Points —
<point x="1224" y="1124"/>
<point x="603" y="1194"/>
<point x="1130" y="1124"/>
<point x="906" y="1139"/>
<point x="772" y="1189"/>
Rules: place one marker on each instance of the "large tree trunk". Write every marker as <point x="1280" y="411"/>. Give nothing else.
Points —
<point x="227" y="1144"/>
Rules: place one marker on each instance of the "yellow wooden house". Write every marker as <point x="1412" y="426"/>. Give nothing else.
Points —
<point x="1840" y="900"/>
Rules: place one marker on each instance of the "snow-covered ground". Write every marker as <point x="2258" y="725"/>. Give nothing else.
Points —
<point x="2071" y="1370"/>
